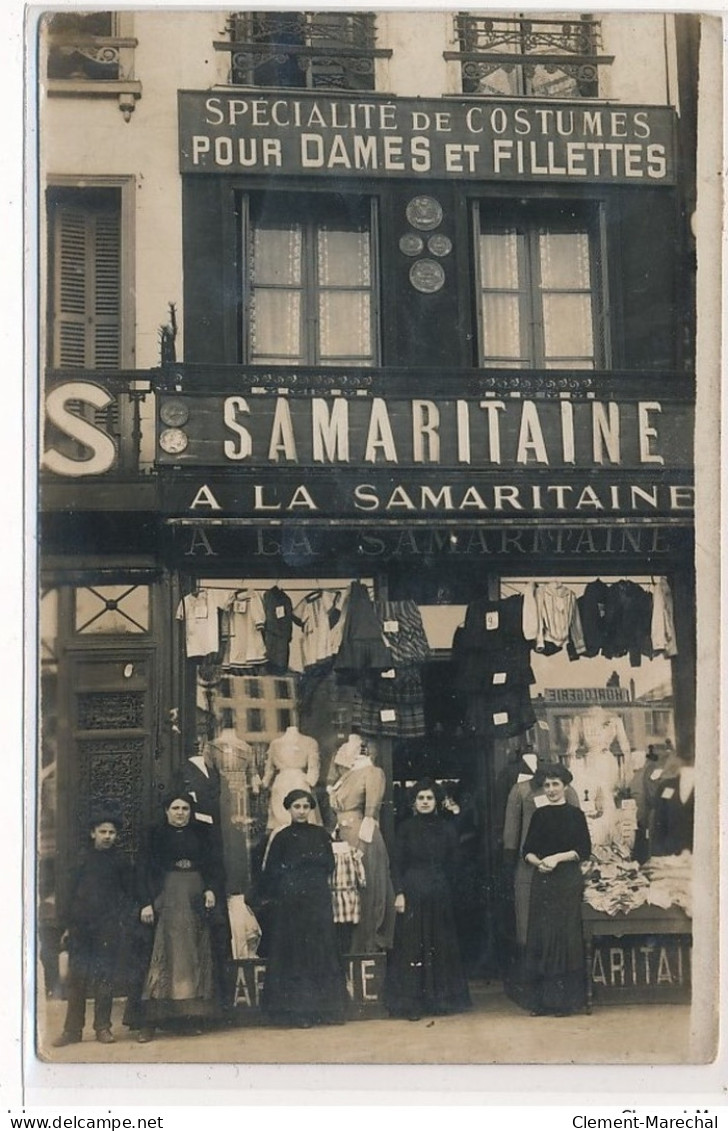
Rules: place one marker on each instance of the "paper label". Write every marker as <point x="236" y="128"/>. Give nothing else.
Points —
<point x="280" y="611"/>
<point x="389" y="674"/>
<point x="500" y="718"/>
<point x="542" y="724"/>
<point x="387" y="715"/>
<point x="499" y="677"/>
<point x="240" y="605"/>
<point x="668" y="793"/>
<point x="204" y="817"/>
<point x="391" y="626"/>
<point x="491" y="621"/>
<point x="655" y="775"/>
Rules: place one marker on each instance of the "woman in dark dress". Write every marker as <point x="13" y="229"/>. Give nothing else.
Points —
<point x="556" y="842"/>
<point x="178" y="882"/>
<point x="304" y="982"/>
<point x="425" y="973"/>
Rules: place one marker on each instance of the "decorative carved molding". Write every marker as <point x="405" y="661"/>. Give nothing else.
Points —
<point x="111" y="710"/>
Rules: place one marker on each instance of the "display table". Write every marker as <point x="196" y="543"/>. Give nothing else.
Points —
<point x="640" y="957"/>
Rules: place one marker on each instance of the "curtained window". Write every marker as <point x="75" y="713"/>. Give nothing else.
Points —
<point x="309" y="281"/>
<point x="540" y="300"/>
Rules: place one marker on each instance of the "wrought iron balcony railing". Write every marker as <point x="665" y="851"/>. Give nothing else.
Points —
<point x="303" y="50"/>
<point x="519" y="56"/>
<point x="88" y="53"/>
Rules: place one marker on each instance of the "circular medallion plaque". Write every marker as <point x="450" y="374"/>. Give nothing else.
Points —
<point x="411" y="244"/>
<point x="424" y="213"/>
<point x="174" y="413"/>
<point x="427" y="276"/>
<point x="439" y="244"/>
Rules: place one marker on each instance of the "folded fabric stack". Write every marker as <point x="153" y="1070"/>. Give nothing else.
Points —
<point x="671" y="881"/>
<point x="613" y="883"/>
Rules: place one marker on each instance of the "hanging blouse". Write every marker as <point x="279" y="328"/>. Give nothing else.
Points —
<point x="318" y="615"/>
<point x="663" y="622"/>
<point x="199" y="611"/>
<point x="558" y="618"/>
<point x="246" y="621"/>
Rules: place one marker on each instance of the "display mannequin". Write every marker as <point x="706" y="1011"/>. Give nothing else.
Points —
<point x="293" y="762"/>
<point x="597" y="770"/>
<point x="356" y="799"/>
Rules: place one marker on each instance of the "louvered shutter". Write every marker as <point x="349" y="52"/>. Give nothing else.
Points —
<point x="87" y="261"/>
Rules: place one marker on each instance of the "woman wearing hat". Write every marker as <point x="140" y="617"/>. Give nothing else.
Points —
<point x="304" y="982"/>
<point x="556" y="843"/>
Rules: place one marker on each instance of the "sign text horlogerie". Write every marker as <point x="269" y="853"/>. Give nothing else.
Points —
<point x="252" y="133"/>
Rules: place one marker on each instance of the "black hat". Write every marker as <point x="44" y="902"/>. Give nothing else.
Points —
<point x="552" y="770"/>
<point x="295" y="795"/>
<point x="105" y="816"/>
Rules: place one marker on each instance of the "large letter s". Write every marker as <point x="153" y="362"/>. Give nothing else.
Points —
<point x="103" y="448"/>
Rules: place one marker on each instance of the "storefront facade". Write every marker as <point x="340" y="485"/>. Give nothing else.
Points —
<point x="439" y="344"/>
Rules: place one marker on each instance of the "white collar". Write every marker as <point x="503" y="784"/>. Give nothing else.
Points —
<point x="199" y="761"/>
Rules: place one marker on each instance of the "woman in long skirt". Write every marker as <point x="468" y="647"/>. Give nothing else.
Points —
<point x="557" y="841"/>
<point x="425" y="973"/>
<point x="304" y="982"/>
<point x="179" y="881"/>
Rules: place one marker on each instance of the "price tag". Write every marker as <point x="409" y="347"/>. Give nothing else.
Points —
<point x="391" y="626"/>
<point x="655" y="775"/>
<point x="280" y="611"/>
<point x="499" y="677"/>
<point x="500" y="718"/>
<point x="668" y="793"/>
<point x="241" y="605"/>
<point x="491" y="621"/>
<point x="387" y="715"/>
<point x="389" y="675"/>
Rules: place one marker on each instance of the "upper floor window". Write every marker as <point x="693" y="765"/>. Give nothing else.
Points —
<point x="309" y="50"/>
<point x="309" y="280"/>
<point x="540" y="295"/>
<point x="554" y="56"/>
<point x="92" y="53"/>
<point x="84" y="281"/>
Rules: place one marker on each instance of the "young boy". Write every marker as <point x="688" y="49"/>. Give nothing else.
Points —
<point x="99" y="905"/>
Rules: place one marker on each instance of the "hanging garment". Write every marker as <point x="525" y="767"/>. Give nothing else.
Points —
<point x="492" y="668"/>
<point x="313" y="614"/>
<point x="663" y="622"/>
<point x="628" y="622"/>
<point x="390" y="703"/>
<point x="592" y="608"/>
<point x="346" y="882"/>
<point x="362" y="645"/>
<point x="278" y="628"/>
<point x="199" y="611"/>
<point x="403" y="631"/>
<point x="246" y="619"/>
<point x="558" y="619"/>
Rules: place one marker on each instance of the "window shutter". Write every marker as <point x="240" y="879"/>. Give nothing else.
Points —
<point x="86" y="290"/>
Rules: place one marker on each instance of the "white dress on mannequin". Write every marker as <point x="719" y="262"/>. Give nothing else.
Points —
<point x="597" y="770"/>
<point x="293" y="763"/>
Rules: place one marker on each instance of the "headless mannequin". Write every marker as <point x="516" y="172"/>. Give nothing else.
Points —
<point x="597" y="770"/>
<point x="293" y="763"/>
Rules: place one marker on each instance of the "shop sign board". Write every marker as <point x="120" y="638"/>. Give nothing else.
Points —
<point x="248" y="133"/>
<point x="364" y="975"/>
<point x="641" y="968"/>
